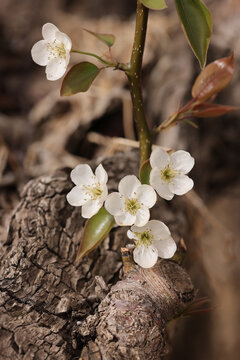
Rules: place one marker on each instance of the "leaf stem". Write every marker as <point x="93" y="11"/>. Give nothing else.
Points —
<point x="178" y="116"/>
<point x="134" y="78"/>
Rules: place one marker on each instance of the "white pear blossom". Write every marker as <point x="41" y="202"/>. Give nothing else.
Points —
<point x="131" y="204"/>
<point x="90" y="191"/>
<point x="152" y="240"/>
<point x="168" y="174"/>
<point x="53" y="51"/>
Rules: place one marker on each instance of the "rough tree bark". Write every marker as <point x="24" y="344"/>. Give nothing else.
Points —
<point x="53" y="309"/>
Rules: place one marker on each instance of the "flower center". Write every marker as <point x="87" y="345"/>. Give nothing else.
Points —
<point x="132" y="206"/>
<point x="167" y="174"/>
<point x="94" y="191"/>
<point x="56" y="50"/>
<point x="144" y="238"/>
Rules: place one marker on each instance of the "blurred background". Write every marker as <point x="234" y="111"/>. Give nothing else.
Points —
<point x="40" y="132"/>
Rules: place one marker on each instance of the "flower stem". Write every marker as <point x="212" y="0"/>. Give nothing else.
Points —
<point x="111" y="64"/>
<point x="134" y="78"/>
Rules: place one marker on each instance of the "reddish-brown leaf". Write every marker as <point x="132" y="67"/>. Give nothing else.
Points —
<point x="213" y="78"/>
<point x="206" y="110"/>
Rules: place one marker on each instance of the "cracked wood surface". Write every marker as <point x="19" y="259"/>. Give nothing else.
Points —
<point x="131" y="320"/>
<point x="52" y="309"/>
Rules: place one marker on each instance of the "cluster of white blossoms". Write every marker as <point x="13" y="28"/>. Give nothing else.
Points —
<point x="53" y="51"/>
<point x="131" y="204"/>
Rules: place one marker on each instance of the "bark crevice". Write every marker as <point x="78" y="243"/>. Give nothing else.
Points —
<point x="53" y="309"/>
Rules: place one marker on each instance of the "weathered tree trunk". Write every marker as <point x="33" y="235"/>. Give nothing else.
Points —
<point x="131" y="321"/>
<point x="53" y="309"/>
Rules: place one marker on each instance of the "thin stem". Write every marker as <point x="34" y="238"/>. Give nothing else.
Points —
<point x="134" y="78"/>
<point x="189" y="105"/>
<point x="111" y="64"/>
<point x="179" y="115"/>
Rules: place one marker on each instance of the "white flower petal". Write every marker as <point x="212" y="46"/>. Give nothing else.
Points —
<point x="181" y="160"/>
<point x="158" y="229"/>
<point x="101" y="174"/>
<point x="146" y="195"/>
<point x="105" y="193"/>
<point x="82" y="175"/>
<point x="77" y="196"/>
<point x="162" y="188"/>
<point x="114" y="204"/>
<point x="91" y="208"/>
<point x="49" y="31"/>
<point x="139" y="229"/>
<point x="67" y="59"/>
<point x="56" y="68"/>
<point x="181" y="184"/>
<point x="128" y="186"/>
<point x="131" y="235"/>
<point x="159" y="158"/>
<point x="166" y="248"/>
<point x="126" y="219"/>
<point x="40" y="53"/>
<point x="145" y="256"/>
<point x="65" y="39"/>
<point x="142" y="216"/>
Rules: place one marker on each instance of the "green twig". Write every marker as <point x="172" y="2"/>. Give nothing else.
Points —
<point x="134" y="78"/>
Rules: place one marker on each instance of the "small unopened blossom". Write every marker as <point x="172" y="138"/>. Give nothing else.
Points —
<point x="152" y="241"/>
<point x="168" y="174"/>
<point x="53" y="51"/>
<point x="131" y="204"/>
<point x="90" y="191"/>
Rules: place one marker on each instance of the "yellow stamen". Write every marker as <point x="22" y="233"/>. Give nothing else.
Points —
<point x="144" y="238"/>
<point x="132" y="206"/>
<point x="167" y="174"/>
<point x="94" y="191"/>
<point x="56" y="50"/>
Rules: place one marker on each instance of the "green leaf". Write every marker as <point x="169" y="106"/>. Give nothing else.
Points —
<point x="95" y="231"/>
<point x="107" y="39"/>
<point x="154" y="4"/>
<point x="79" y="78"/>
<point x="213" y="78"/>
<point x="197" y="25"/>
<point x="144" y="173"/>
<point x="190" y="122"/>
